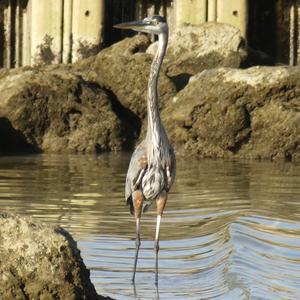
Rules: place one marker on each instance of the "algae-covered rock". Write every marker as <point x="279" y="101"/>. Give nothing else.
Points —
<point x="39" y="261"/>
<point x="99" y="104"/>
<point x="95" y="105"/>
<point x="53" y="109"/>
<point x="192" y="49"/>
<point x="123" y="69"/>
<point x="230" y="113"/>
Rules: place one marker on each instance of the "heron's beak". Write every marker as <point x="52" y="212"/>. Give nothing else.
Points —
<point x="136" y="25"/>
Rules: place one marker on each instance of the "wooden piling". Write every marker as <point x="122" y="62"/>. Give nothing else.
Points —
<point x="87" y="26"/>
<point x="191" y="12"/>
<point x="292" y="55"/>
<point x="18" y="32"/>
<point x="212" y="10"/>
<point x="67" y="31"/>
<point x="26" y="35"/>
<point x="7" y="33"/>
<point x="46" y="30"/>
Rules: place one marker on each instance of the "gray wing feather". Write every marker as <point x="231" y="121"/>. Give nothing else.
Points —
<point x="134" y="169"/>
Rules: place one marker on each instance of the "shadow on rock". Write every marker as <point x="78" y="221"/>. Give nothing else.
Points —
<point x="14" y="141"/>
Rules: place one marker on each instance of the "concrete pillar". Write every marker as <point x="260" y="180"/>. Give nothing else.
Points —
<point x="190" y="11"/>
<point x="46" y="31"/>
<point x="18" y="34"/>
<point x="297" y="25"/>
<point x="212" y="10"/>
<point x="140" y="9"/>
<point x="222" y="15"/>
<point x="179" y="18"/>
<point x="295" y="47"/>
<point x="234" y="12"/>
<point x="26" y="36"/>
<point x="292" y="56"/>
<point x="7" y="32"/>
<point x="67" y="31"/>
<point x="87" y="27"/>
<point x="294" y="33"/>
<point x="169" y="11"/>
<point x="240" y="15"/>
<point x="284" y="30"/>
<point x="201" y="8"/>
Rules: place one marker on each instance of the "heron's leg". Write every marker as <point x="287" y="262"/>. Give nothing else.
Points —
<point x="137" y="247"/>
<point x="138" y="199"/>
<point x="160" y="206"/>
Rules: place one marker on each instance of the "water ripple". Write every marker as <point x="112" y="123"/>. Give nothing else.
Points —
<point x="231" y="230"/>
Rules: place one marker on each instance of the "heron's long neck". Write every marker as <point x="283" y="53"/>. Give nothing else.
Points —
<point x="155" y="127"/>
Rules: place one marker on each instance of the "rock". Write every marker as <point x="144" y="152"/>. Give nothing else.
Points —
<point x="257" y="58"/>
<point x="192" y="49"/>
<point x="54" y="109"/>
<point x="39" y="261"/>
<point x="96" y="105"/>
<point x="99" y="103"/>
<point x="233" y="113"/>
<point x="123" y="69"/>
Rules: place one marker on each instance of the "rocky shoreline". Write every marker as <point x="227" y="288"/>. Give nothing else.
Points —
<point x="211" y="104"/>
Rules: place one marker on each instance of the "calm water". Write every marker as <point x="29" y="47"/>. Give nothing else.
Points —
<point x="231" y="230"/>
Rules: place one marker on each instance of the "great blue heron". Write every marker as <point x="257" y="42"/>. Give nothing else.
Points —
<point x="152" y="168"/>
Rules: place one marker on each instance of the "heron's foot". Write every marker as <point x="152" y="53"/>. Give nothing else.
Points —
<point x="144" y="162"/>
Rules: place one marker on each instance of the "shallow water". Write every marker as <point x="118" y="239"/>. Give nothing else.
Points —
<point x="231" y="230"/>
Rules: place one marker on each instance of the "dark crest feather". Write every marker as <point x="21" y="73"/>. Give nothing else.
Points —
<point x="159" y="18"/>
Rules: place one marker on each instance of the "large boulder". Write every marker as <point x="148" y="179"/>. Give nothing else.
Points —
<point x="123" y="69"/>
<point x="39" y="261"/>
<point x="192" y="49"/>
<point x="95" y="105"/>
<point x="53" y="109"/>
<point x="229" y="113"/>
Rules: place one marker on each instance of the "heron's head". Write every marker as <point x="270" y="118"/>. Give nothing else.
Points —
<point x="153" y="24"/>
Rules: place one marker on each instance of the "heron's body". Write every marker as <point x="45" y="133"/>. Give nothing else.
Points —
<point x="155" y="178"/>
<point x="152" y="167"/>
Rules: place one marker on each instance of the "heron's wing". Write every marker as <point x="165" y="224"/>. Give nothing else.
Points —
<point x="134" y="169"/>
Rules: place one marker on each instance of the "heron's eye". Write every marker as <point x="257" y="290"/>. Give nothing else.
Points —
<point x="155" y="22"/>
